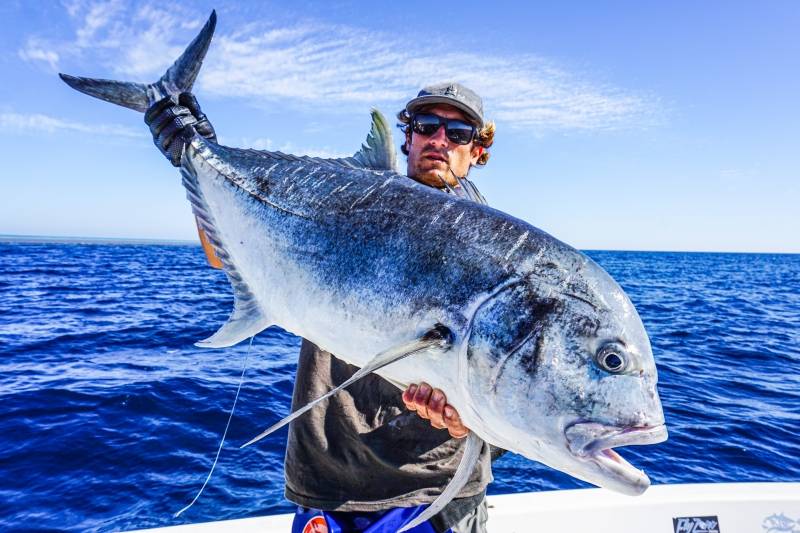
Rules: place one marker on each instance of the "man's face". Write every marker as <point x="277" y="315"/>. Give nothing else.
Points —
<point x="430" y="159"/>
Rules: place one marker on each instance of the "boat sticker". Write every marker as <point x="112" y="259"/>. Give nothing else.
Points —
<point x="696" y="524"/>
<point x="317" y="524"/>
<point x="780" y="523"/>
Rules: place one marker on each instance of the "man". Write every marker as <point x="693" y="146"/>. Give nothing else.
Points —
<point x="367" y="458"/>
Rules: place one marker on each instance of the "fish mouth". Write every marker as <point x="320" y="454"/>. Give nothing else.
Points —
<point x="594" y="443"/>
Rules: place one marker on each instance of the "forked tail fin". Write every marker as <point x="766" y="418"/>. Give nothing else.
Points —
<point x="139" y="96"/>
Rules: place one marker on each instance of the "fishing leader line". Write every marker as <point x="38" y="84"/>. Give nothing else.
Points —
<point x="224" y="433"/>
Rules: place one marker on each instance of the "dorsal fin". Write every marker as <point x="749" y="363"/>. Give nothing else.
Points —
<point x="377" y="152"/>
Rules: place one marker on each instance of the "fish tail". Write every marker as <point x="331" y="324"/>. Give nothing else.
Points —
<point x="139" y="96"/>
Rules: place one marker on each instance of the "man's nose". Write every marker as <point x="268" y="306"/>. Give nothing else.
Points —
<point x="439" y="138"/>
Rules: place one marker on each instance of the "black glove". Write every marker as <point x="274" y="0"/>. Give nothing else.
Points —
<point x="173" y="125"/>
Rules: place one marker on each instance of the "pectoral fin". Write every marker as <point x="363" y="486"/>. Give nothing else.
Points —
<point x="468" y="461"/>
<point x="438" y="339"/>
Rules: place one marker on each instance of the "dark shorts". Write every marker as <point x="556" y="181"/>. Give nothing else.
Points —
<point x="317" y="521"/>
<point x="469" y="519"/>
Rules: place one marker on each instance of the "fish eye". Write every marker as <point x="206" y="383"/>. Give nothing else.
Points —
<point x="611" y="358"/>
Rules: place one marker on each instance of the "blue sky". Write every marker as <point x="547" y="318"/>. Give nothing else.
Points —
<point x="621" y="125"/>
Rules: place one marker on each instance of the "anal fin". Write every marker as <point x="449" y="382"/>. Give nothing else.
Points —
<point x="247" y="318"/>
<point x="240" y="326"/>
<point x="439" y="338"/>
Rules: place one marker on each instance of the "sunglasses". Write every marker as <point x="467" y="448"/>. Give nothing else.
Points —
<point x="457" y="130"/>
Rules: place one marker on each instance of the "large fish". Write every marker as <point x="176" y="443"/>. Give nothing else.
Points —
<point x="537" y="347"/>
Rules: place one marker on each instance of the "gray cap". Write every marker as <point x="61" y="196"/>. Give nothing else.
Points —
<point x="451" y="93"/>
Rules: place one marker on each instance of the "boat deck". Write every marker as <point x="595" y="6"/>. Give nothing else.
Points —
<point x="691" y="508"/>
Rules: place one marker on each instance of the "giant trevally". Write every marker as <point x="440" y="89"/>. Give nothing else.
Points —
<point x="535" y="345"/>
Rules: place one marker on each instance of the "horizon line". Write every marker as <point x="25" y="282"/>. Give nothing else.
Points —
<point x="68" y="239"/>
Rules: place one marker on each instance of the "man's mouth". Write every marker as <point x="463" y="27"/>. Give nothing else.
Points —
<point x="435" y="156"/>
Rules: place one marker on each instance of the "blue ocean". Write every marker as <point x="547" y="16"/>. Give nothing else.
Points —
<point x="111" y="418"/>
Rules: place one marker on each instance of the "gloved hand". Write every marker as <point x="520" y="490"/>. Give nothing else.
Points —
<point x="173" y="125"/>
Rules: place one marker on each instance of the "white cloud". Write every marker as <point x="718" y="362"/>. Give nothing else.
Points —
<point x="36" y="50"/>
<point x="328" y="66"/>
<point x="265" y="143"/>
<point x="340" y="66"/>
<point x="44" y="123"/>
<point x="96" y="17"/>
<point x="261" y="143"/>
<point x="133" y="42"/>
<point x="147" y="52"/>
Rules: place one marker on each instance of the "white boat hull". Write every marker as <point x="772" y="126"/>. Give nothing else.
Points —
<point x="691" y="508"/>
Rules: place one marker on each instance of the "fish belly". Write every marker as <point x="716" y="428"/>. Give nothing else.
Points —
<point x="278" y="255"/>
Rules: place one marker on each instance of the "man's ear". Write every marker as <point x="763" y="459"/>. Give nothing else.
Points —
<point x="407" y="145"/>
<point x="476" y="153"/>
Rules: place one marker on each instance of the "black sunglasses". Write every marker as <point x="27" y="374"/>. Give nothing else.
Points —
<point x="457" y="130"/>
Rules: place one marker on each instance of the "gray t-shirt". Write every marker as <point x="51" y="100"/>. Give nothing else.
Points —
<point x="362" y="450"/>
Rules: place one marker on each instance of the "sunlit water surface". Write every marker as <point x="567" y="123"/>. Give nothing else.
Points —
<point x="111" y="417"/>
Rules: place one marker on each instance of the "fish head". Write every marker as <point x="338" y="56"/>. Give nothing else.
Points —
<point x="560" y="370"/>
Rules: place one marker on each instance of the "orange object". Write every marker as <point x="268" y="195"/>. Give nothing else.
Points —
<point x="211" y="255"/>
<point x="316" y="525"/>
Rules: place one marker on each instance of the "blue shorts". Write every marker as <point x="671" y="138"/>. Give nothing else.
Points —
<point x="316" y="521"/>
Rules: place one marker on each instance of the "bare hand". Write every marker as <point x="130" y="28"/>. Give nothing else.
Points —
<point x="431" y="404"/>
